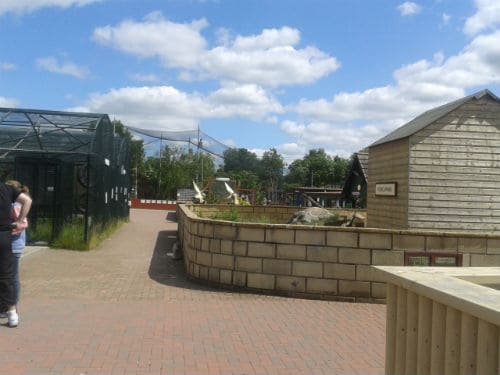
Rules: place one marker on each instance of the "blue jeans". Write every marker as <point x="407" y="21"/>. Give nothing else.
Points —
<point x="16" y="272"/>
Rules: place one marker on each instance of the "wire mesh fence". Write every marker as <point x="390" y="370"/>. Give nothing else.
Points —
<point x="74" y="165"/>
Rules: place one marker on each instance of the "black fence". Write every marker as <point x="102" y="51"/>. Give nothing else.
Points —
<point x="76" y="168"/>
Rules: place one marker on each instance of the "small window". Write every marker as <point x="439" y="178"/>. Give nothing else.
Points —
<point x="433" y="259"/>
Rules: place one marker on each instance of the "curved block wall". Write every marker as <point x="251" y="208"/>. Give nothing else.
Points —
<point x="312" y="262"/>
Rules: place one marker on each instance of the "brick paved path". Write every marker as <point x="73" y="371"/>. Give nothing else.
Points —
<point x="126" y="308"/>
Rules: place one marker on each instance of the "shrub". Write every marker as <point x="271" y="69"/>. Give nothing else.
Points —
<point x="232" y="215"/>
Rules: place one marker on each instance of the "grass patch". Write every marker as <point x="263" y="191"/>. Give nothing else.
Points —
<point x="232" y="215"/>
<point x="71" y="235"/>
<point x="97" y="238"/>
<point x="42" y="231"/>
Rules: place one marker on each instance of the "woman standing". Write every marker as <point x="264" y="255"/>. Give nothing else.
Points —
<point x="9" y="195"/>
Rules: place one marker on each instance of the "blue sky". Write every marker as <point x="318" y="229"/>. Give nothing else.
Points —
<point x="289" y="74"/>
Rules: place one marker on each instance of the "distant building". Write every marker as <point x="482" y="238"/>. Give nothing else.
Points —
<point x="317" y="196"/>
<point x="441" y="170"/>
<point x="355" y="187"/>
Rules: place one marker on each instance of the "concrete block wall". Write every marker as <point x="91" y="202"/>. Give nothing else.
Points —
<point x="312" y="262"/>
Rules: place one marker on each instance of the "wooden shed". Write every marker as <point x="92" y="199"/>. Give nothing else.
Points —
<point x="440" y="171"/>
<point x="355" y="186"/>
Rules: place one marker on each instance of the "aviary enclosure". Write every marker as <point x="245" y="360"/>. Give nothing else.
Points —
<point x="74" y="164"/>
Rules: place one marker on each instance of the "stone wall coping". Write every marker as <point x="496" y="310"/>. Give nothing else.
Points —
<point x="186" y="208"/>
<point x="455" y="286"/>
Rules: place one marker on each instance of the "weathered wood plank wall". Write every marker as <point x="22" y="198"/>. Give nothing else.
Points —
<point x="388" y="163"/>
<point x="454" y="170"/>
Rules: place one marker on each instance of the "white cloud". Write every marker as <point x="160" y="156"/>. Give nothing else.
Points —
<point x="8" y="102"/>
<point x="291" y="151"/>
<point x="486" y="17"/>
<point x="7" y="66"/>
<point x="269" y="59"/>
<point x="52" y="65"/>
<point x="445" y="19"/>
<point x="176" y="44"/>
<point x="409" y="8"/>
<point x="335" y="138"/>
<point x="419" y="86"/>
<point x="165" y="107"/>
<point x="28" y="6"/>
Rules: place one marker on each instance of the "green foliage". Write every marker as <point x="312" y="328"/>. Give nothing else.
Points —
<point x="317" y="169"/>
<point x="42" y="231"/>
<point x="232" y="215"/>
<point x="240" y="159"/>
<point x="332" y="221"/>
<point x="71" y="235"/>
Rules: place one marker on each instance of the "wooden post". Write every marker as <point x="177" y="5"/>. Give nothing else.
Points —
<point x="487" y="348"/>
<point x="424" y="335"/>
<point x="452" y="341"/>
<point x="437" y="339"/>
<point x="411" y="333"/>
<point x="468" y="345"/>
<point x="390" y="330"/>
<point x="401" y="330"/>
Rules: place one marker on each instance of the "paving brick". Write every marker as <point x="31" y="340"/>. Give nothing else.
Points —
<point x="83" y="309"/>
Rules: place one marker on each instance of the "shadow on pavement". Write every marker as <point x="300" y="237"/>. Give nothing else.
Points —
<point x="166" y="270"/>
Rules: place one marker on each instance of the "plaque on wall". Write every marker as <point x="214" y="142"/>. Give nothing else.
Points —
<point x="387" y="189"/>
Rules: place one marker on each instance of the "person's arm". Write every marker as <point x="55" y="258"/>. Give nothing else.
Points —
<point x="25" y="201"/>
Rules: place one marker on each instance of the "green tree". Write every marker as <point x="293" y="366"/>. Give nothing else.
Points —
<point x="317" y="169"/>
<point x="271" y="169"/>
<point x="240" y="159"/>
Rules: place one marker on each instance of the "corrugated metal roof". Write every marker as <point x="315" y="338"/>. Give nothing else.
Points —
<point x="428" y="117"/>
